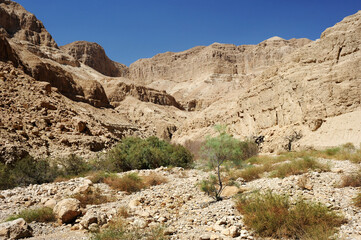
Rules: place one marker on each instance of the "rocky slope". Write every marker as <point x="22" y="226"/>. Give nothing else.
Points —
<point x="180" y="207"/>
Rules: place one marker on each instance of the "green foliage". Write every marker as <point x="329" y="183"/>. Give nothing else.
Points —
<point x="26" y="171"/>
<point x="217" y="151"/>
<point x="72" y="165"/>
<point x="222" y="148"/>
<point x="272" y="215"/>
<point x="43" y="214"/>
<point x="137" y="153"/>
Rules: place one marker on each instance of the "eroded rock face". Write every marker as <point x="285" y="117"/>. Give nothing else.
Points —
<point x="117" y="91"/>
<point x="22" y="25"/>
<point x="93" y="55"/>
<point x="308" y="87"/>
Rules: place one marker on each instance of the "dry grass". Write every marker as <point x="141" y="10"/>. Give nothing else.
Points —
<point x="123" y="212"/>
<point x="153" y="179"/>
<point x="92" y="196"/>
<point x="43" y="214"/>
<point x="272" y="215"/>
<point x="129" y="183"/>
<point x="351" y="180"/>
<point x="357" y="200"/>
<point x="132" y="182"/>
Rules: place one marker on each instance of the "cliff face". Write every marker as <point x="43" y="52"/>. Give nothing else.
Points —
<point x="208" y="73"/>
<point x="18" y="23"/>
<point x="309" y="87"/>
<point x="93" y="55"/>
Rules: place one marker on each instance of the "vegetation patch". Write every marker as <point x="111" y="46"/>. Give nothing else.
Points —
<point x="136" y="153"/>
<point x="272" y="215"/>
<point x="351" y="180"/>
<point x="43" y="214"/>
<point x="297" y="167"/>
<point x="92" y="196"/>
<point x="132" y="182"/>
<point x="357" y="200"/>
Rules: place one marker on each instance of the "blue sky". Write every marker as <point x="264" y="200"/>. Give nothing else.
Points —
<point x="133" y="29"/>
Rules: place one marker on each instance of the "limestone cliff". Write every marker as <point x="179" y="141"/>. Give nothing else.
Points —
<point x="93" y="55"/>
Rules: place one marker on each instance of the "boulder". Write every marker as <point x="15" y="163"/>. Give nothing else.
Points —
<point x="67" y="210"/>
<point x="15" y="229"/>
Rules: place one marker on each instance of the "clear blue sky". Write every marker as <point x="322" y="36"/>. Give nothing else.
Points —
<point x="133" y="29"/>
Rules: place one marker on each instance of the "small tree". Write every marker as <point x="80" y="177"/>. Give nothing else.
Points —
<point x="217" y="150"/>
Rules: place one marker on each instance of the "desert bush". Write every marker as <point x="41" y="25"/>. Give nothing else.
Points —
<point x="136" y="153"/>
<point x="92" y="196"/>
<point x="217" y="151"/>
<point x="153" y="179"/>
<point x="129" y="183"/>
<point x="296" y="167"/>
<point x="132" y="182"/>
<point x="43" y="214"/>
<point x="99" y="176"/>
<point x="26" y="171"/>
<point x="272" y="215"/>
<point x="73" y="165"/>
<point x="357" y="200"/>
<point x="351" y="180"/>
<point x="249" y="149"/>
<point x="123" y="212"/>
<point x="254" y="172"/>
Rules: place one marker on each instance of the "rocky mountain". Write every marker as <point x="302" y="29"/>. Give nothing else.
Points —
<point x="93" y="55"/>
<point x="276" y="89"/>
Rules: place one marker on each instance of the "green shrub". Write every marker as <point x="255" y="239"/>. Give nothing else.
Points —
<point x="272" y="215"/>
<point x="251" y="173"/>
<point x="217" y="151"/>
<point x="136" y="153"/>
<point x="43" y="214"/>
<point x="332" y="151"/>
<point x="26" y="171"/>
<point x="298" y="167"/>
<point x="73" y="165"/>
<point x="249" y="149"/>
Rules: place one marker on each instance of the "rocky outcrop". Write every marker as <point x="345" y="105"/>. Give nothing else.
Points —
<point x="15" y="229"/>
<point x="93" y="55"/>
<point x="67" y="210"/>
<point x="22" y="25"/>
<point x="117" y="91"/>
